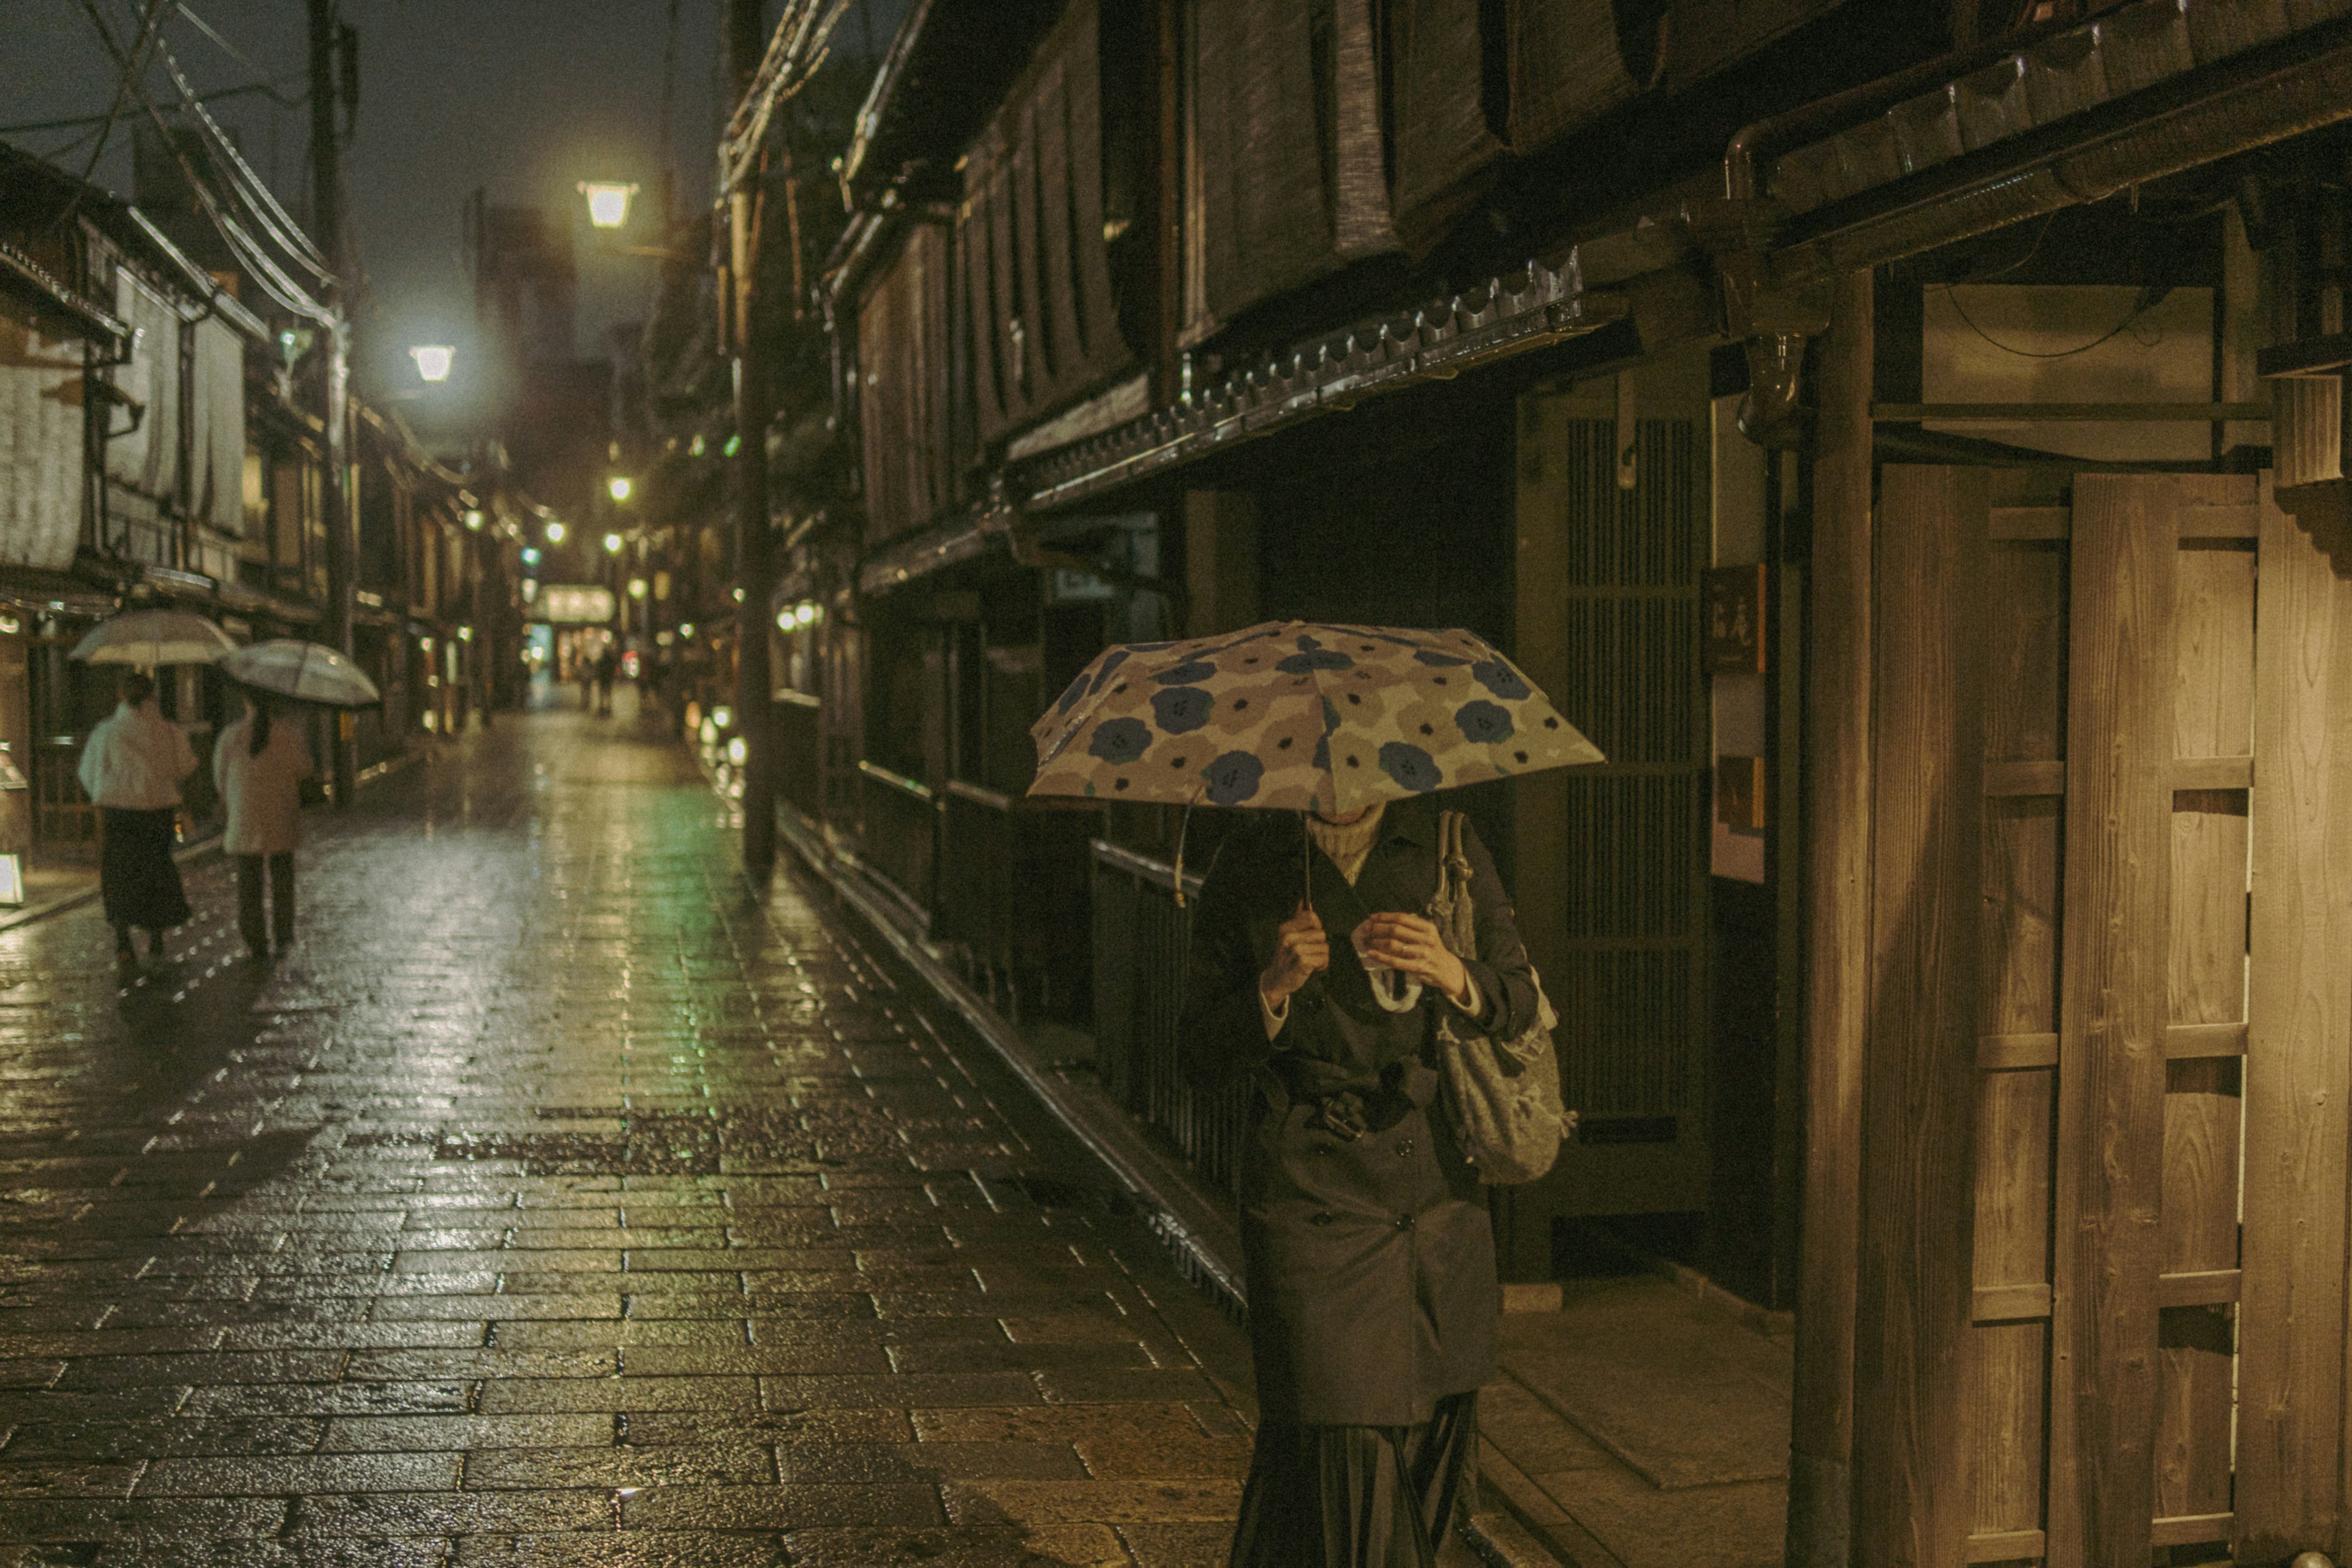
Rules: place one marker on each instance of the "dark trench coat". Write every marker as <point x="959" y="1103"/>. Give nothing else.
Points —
<point x="1370" y="1261"/>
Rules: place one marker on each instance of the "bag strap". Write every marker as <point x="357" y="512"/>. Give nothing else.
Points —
<point x="1454" y="874"/>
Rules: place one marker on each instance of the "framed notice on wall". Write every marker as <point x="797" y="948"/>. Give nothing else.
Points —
<point x="1735" y="620"/>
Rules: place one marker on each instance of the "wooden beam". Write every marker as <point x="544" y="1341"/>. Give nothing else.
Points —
<point x="2009" y="1303"/>
<point x="2197" y="1042"/>
<point x="2113" y="1013"/>
<point x="2190" y="1529"/>
<point x="2069" y="412"/>
<point x="1914" y="1284"/>
<point x="2204" y="1288"/>
<point x="2015" y="1053"/>
<point x="2010" y="779"/>
<point x="2005" y="1546"/>
<point x="1836" y="871"/>
<point x="2212" y="773"/>
<point x="2298" y="1073"/>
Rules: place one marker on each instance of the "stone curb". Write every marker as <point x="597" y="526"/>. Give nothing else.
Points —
<point x="1207" y="1245"/>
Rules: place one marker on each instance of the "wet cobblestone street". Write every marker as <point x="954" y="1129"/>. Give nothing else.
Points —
<point x="552" y="1202"/>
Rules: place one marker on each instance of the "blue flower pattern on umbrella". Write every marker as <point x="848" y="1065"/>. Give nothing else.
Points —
<point x="1410" y="766"/>
<point x="1486" y="724"/>
<point x="1234" y="778"/>
<point x="1309" y="659"/>
<point x="1182" y="710"/>
<point x="1110" y="663"/>
<point x="1502" y="681"/>
<point x="1120" y="741"/>
<point x="1407" y="713"/>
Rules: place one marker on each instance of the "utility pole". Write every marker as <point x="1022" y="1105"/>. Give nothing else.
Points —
<point x="755" y="566"/>
<point x="327" y="221"/>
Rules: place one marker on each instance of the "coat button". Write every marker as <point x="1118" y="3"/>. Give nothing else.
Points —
<point x="1404" y="1221"/>
<point x="1323" y="1218"/>
<point x="1404" y="1150"/>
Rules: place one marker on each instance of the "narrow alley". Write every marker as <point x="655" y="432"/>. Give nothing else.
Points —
<point x="552" y="1202"/>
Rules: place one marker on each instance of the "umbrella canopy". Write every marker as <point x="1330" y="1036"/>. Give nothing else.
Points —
<point x="305" y="671"/>
<point x="151" y="637"/>
<point x="1294" y="714"/>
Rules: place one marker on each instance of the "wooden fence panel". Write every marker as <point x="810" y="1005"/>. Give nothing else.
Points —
<point x="2212" y="713"/>
<point x="1912" y="1335"/>
<point x="2155" y="1126"/>
<point x="2298" y="1066"/>
<point x="2025" y="736"/>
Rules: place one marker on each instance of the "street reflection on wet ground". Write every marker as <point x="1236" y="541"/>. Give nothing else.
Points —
<point x="551" y="1201"/>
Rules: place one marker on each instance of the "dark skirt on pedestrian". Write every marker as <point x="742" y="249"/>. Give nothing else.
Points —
<point x="137" y="877"/>
<point x="1356" y="1496"/>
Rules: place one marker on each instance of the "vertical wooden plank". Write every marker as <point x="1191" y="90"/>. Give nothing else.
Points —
<point x="1836" y="876"/>
<point x="2213" y="716"/>
<point x="2026" y="602"/>
<point x="2291" y="1408"/>
<point x="1915" y="1274"/>
<point x="2112" y="1016"/>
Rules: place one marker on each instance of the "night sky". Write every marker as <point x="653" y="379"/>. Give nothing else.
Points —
<point x="524" y="97"/>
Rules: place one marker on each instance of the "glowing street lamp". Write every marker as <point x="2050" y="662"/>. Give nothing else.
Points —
<point x="432" y="361"/>
<point x="620" y="487"/>
<point x="608" y="202"/>
<point x="612" y="544"/>
<point x="555" y="533"/>
<point x="637" y="588"/>
<point x="474" y="520"/>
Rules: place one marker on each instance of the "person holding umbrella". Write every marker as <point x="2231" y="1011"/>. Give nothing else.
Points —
<point x="132" y="767"/>
<point x="259" y="766"/>
<point x="1319" y="974"/>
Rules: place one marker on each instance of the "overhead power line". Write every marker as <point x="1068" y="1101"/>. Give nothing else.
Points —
<point x="794" y="53"/>
<point x="250" y="254"/>
<point x="253" y="193"/>
<point x="249" y="90"/>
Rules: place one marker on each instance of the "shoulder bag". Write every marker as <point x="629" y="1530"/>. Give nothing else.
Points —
<point x="1503" y="1095"/>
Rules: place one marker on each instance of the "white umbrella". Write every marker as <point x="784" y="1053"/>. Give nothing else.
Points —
<point x="151" y="638"/>
<point x="305" y="671"/>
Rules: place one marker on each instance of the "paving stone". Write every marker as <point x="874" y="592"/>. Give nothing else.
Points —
<point x="552" y="1204"/>
<point x="1053" y="1546"/>
<point x="779" y="1507"/>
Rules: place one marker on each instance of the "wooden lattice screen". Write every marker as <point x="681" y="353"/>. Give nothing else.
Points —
<point x="2102" y="1297"/>
<point x="1610" y="884"/>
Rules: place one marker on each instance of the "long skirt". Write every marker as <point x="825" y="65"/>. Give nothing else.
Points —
<point x="1356" y="1496"/>
<point x="137" y="877"/>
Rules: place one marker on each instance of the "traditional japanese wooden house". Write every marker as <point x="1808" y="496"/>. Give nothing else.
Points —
<point x="1908" y="438"/>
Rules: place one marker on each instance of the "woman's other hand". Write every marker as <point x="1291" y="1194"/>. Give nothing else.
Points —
<point x="1411" y="945"/>
<point x="1301" y="950"/>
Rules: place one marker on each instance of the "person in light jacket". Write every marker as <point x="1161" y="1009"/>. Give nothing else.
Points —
<point x="132" y="767"/>
<point x="1366" y="1245"/>
<point x="262" y="761"/>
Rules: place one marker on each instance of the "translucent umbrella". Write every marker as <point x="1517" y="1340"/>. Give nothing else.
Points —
<point x="150" y="638"/>
<point x="305" y="671"/>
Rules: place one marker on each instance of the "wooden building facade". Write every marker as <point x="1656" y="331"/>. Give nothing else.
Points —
<point x="1909" y="438"/>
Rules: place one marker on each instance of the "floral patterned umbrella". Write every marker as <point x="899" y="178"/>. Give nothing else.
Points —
<point x="1294" y="714"/>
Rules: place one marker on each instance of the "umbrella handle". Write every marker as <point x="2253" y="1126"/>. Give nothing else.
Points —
<point x="1183" y="826"/>
<point x="1307" y="858"/>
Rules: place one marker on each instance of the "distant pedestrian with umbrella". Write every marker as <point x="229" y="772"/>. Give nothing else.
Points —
<point x="260" y="766"/>
<point x="1358" y="965"/>
<point x="132" y="767"/>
